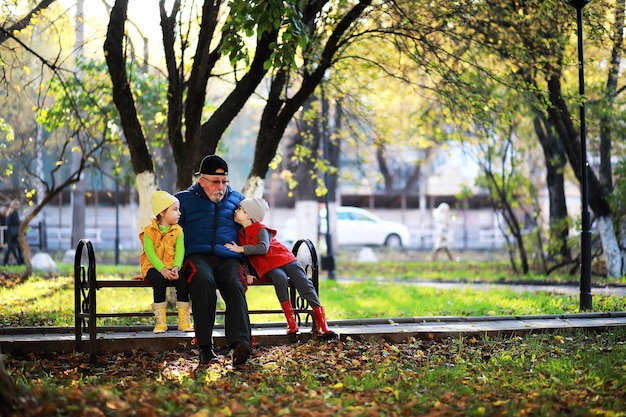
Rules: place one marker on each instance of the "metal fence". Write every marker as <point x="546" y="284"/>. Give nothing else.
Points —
<point x="55" y="238"/>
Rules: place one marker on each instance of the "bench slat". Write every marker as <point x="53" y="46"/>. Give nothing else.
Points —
<point x="174" y="313"/>
<point x="143" y="283"/>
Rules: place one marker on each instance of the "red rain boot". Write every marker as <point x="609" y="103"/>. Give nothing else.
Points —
<point x="321" y="327"/>
<point x="292" y="326"/>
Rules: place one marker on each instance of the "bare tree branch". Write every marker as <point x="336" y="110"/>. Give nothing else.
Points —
<point x="6" y="33"/>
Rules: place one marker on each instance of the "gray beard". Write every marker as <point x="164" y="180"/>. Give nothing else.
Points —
<point x="216" y="199"/>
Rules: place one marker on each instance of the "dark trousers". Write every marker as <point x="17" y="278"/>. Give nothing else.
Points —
<point x="303" y="284"/>
<point x="207" y="275"/>
<point x="14" y="248"/>
<point x="159" y="286"/>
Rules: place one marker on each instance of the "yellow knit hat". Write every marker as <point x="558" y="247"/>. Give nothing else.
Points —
<point x="161" y="200"/>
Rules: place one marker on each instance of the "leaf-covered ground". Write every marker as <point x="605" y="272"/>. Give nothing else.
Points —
<point x="567" y="373"/>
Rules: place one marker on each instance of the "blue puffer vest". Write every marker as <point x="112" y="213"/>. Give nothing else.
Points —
<point x="208" y="225"/>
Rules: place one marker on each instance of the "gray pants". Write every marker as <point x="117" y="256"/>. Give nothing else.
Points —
<point x="303" y="284"/>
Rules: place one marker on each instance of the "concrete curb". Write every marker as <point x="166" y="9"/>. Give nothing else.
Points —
<point x="125" y="338"/>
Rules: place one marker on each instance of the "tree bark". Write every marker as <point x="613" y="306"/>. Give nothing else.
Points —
<point x="598" y="200"/>
<point x="382" y="166"/>
<point x="175" y="88"/>
<point x="607" y="116"/>
<point x="615" y="255"/>
<point x="11" y="395"/>
<point x="561" y="119"/>
<point x="124" y="102"/>
<point x="555" y="160"/>
<point x="122" y="95"/>
<point x="213" y="129"/>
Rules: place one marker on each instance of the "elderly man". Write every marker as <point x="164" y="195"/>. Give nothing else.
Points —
<point x="207" y="217"/>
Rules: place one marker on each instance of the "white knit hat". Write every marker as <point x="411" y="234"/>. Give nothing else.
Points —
<point x="161" y="200"/>
<point x="255" y="207"/>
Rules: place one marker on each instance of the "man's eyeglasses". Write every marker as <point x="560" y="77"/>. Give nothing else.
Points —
<point x="216" y="182"/>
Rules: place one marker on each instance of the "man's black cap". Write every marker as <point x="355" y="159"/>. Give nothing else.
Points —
<point x="212" y="163"/>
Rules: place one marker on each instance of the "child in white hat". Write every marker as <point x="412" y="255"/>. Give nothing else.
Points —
<point x="163" y="250"/>
<point x="272" y="259"/>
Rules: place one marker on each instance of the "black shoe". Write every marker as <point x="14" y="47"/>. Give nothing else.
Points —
<point x="223" y="350"/>
<point x="241" y="353"/>
<point x="207" y="355"/>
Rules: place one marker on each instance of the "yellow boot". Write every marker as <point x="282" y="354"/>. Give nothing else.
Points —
<point x="161" y="317"/>
<point x="184" y="319"/>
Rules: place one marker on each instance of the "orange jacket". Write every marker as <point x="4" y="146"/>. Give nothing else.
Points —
<point x="164" y="245"/>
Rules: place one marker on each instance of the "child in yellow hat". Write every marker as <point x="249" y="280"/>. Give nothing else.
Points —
<point x="163" y="250"/>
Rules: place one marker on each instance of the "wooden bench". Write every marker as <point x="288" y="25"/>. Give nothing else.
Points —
<point x="86" y="286"/>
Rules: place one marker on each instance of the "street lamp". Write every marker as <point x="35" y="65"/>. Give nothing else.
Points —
<point x="585" y="237"/>
<point x="328" y="262"/>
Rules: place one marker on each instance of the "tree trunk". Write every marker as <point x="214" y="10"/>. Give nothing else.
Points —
<point x="555" y="160"/>
<point x="122" y="95"/>
<point x="212" y="130"/>
<point x="175" y="92"/>
<point x="307" y="204"/>
<point x="615" y="257"/>
<point x="608" y="116"/>
<point x="561" y="119"/>
<point x="11" y="395"/>
<point x="598" y="200"/>
<point x="47" y="198"/>
<point x="334" y="151"/>
<point x="268" y="136"/>
<point x="622" y="243"/>
<point x="510" y="217"/>
<point x="123" y="99"/>
<point x="610" y="246"/>
<point x="382" y="166"/>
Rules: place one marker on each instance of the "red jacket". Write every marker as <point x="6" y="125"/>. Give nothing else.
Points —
<point x="277" y="254"/>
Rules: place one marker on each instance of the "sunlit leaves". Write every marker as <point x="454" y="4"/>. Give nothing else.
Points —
<point x="7" y="131"/>
<point x="83" y="102"/>
<point x="79" y="101"/>
<point x="7" y="136"/>
<point x="537" y="374"/>
<point x="254" y="19"/>
<point x="30" y="195"/>
<point x="8" y="171"/>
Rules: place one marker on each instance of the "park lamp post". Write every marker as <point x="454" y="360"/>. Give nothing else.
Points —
<point x="585" y="237"/>
<point x="328" y="261"/>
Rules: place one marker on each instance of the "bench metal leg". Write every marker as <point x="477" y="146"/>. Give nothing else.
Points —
<point x="85" y="297"/>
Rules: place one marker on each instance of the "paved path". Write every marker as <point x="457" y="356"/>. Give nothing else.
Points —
<point x="567" y="289"/>
<point x="392" y="330"/>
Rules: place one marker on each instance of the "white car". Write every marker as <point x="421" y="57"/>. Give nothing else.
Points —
<point x="359" y="227"/>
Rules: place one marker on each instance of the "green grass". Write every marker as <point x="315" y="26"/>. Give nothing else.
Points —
<point x="496" y="271"/>
<point x="43" y="301"/>
<point x="568" y="372"/>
